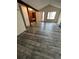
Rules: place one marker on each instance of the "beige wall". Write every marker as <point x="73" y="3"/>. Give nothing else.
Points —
<point x="25" y="14"/>
<point x="50" y="8"/>
<point x="38" y="16"/>
<point x="20" y="24"/>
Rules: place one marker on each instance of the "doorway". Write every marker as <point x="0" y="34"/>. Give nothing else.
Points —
<point x="32" y="15"/>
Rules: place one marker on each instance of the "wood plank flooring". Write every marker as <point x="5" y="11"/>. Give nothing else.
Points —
<point x="41" y="41"/>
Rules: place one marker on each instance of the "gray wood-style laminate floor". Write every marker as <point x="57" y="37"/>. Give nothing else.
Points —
<point x="40" y="41"/>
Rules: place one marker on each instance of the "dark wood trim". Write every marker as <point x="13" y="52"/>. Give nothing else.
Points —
<point x="23" y="16"/>
<point x="21" y="2"/>
<point x="28" y="16"/>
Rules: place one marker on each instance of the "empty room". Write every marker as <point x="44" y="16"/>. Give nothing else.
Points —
<point x="38" y="29"/>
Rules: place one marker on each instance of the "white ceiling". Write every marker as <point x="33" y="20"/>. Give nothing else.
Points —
<point x="39" y="4"/>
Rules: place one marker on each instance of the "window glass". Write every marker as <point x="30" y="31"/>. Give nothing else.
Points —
<point x="51" y="15"/>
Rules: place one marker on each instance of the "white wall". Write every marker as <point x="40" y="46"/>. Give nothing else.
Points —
<point x="55" y="3"/>
<point x="39" y="4"/>
<point x="59" y="20"/>
<point x="25" y="14"/>
<point x="50" y="8"/>
<point x="20" y="24"/>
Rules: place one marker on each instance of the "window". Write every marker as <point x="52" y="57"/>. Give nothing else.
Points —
<point x="51" y="15"/>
